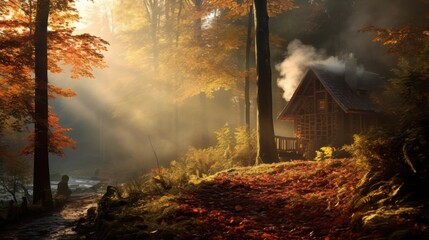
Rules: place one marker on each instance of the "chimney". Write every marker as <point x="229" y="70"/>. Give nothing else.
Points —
<point x="350" y="72"/>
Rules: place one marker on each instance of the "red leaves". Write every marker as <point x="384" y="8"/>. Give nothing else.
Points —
<point x="299" y="200"/>
<point x="58" y="141"/>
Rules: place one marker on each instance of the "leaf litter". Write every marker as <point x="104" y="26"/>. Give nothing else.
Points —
<point x="295" y="200"/>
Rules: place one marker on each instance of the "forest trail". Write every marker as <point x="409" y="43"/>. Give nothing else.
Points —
<point x="56" y="225"/>
<point x="299" y="200"/>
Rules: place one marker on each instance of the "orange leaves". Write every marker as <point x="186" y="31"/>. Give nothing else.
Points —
<point x="82" y="52"/>
<point x="298" y="200"/>
<point x="58" y="141"/>
<point x="57" y="138"/>
<point x="404" y="41"/>
<point x="62" y="92"/>
<point x="389" y="36"/>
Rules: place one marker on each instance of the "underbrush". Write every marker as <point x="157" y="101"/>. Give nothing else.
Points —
<point x="233" y="149"/>
<point x="329" y="152"/>
<point x="392" y="196"/>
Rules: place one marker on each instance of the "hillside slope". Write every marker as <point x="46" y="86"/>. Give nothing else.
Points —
<point x="293" y="200"/>
<point x="298" y="200"/>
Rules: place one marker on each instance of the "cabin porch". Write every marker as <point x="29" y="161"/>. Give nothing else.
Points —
<point x="288" y="148"/>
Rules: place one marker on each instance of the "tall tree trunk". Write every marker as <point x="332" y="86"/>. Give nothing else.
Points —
<point x="176" y="86"/>
<point x="266" y="152"/>
<point x="204" y="138"/>
<point x="154" y="32"/>
<point x="203" y="103"/>
<point x="41" y="183"/>
<point x="247" y="78"/>
<point x="198" y="22"/>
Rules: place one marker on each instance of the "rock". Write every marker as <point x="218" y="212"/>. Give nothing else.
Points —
<point x="91" y="213"/>
<point x="104" y="211"/>
<point x="63" y="187"/>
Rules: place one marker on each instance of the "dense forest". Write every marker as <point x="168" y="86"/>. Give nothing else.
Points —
<point x="173" y="111"/>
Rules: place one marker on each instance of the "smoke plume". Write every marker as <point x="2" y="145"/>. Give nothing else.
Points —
<point x="298" y="58"/>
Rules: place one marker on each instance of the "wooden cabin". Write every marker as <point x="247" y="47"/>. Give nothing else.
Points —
<point x="328" y="107"/>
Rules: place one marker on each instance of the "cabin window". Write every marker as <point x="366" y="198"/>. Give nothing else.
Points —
<point x="322" y="104"/>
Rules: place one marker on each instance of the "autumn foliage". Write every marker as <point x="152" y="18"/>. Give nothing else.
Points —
<point x="299" y="200"/>
<point x="58" y="140"/>
<point x="82" y="52"/>
<point x="193" y="64"/>
<point x="294" y="200"/>
<point x="396" y="156"/>
<point x="402" y="148"/>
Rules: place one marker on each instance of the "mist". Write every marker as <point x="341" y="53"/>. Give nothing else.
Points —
<point x="337" y="29"/>
<point x="114" y="114"/>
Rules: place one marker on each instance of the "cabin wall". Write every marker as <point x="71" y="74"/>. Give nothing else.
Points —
<point x="335" y="128"/>
<point x="358" y="123"/>
<point x="321" y="121"/>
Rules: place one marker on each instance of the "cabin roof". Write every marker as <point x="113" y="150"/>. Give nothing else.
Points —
<point x="340" y="90"/>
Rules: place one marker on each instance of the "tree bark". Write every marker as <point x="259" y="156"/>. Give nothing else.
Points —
<point x="247" y="78"/>
<point x="266" y="152"/>
<point x="41" y="182"/>
<point x="154" y="29"/>
<point x="204" y="140"/>
<point x="176" y="86"/>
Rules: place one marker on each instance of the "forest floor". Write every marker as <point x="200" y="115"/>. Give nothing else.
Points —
<point x="300" y="200"/>
<point x="59" y="224"/>
<point x="291" y="200"/>
<point x="294" y="200"/>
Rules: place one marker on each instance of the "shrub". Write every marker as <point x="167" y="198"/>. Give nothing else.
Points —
<point x="329" y="152"/>
<point x="245" y="147"/>
<point x="325" y="153"/>
<point x="232" y="149"/>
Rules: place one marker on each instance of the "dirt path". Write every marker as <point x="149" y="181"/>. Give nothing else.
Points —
<point x="58" y="225"/>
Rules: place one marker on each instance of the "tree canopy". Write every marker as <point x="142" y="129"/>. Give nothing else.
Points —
<point x="81" y="52"/>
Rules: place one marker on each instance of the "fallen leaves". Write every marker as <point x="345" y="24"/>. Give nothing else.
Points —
<point x="297" y="200"/>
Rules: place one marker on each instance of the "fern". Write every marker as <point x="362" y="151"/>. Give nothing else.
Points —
<point x="231" y="149"/>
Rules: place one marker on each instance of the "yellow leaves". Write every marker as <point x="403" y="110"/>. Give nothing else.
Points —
<point x="404" y="41"/>
<point x="134" y="18"/>
<point x="198" y="69"/>
<point x="235" y="10"/>
<point x="205" y="63"/>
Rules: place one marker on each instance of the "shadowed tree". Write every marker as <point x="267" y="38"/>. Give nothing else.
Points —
<point x="81" y="52"/>
<point x="247" y="78"/>
<point x="24" y="63"/>
<point x="42" y="186"/>
<point x="266" y="152"/>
